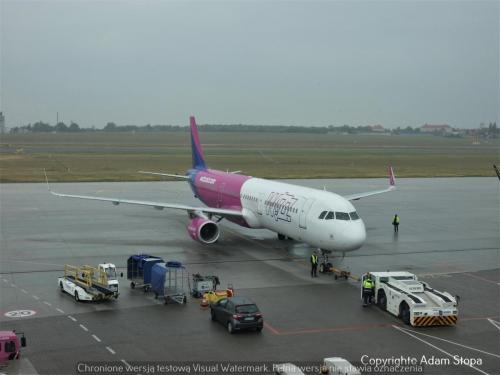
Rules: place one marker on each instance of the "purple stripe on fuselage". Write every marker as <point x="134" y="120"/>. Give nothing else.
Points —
<point x="218" y="189"/>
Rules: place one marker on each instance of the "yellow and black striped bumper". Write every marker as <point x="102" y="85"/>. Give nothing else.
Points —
<point x="426" y="321"/>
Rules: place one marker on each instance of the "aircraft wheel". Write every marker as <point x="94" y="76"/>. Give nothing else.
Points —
<point x="405" y="314"/>
<point x="382" y="300"/>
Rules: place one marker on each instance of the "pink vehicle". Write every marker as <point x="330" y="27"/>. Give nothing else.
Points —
<point x="10" y="345"/>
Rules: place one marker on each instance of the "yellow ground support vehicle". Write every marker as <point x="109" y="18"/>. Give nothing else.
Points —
<point x="87" y="283"/>
<point x="215" y="296"/>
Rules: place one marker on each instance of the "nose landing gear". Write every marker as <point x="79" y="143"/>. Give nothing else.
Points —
<point x="327" y="267"/>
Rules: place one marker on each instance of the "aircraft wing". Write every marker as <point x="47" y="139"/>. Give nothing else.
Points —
<point x="157" y="205"/>
<point x="166" y="174"/>
<point x="392" y="186"/>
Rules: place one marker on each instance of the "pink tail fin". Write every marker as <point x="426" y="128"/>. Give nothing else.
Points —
<point x="196" y="149"/>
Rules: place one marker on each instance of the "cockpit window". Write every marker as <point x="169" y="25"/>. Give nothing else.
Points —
<point x="354" y="215"/>
<point x="329" y="216"/>
<point x="322" y="215"/>
<point x="341" y="215"/>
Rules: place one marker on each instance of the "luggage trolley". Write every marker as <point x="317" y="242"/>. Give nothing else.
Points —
<point x="170" y="280"/>
<point x="139" y="268"/>
<point x="176" y="283"/>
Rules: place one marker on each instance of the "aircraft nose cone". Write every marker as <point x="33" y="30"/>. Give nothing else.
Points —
<point x="355" y="237"/>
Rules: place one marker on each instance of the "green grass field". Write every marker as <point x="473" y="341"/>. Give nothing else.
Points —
<point x="118" y="156"/>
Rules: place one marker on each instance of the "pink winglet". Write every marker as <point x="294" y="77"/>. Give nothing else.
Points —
<point x="392" y="179"/>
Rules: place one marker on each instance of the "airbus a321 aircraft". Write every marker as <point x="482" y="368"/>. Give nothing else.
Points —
<point x="319" y="218"/>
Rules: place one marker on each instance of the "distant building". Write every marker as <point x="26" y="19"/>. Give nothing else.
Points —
<point x="429" y="128"/>
<point x="377" y="128"/>
<point x="2" y="123"/>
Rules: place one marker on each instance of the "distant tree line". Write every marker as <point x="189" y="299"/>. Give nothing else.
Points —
<point x="490" y="131"/>
<point x="43" y="127"/>
<point x="111" y="127"/>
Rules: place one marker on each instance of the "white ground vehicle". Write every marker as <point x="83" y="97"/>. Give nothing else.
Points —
<point x="87" y="283"/>
<point x="338" y="366"/>
<point x="414" y="301"/>
<point x="287" y="369"/>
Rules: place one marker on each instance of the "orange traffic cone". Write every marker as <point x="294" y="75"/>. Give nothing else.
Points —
<point x="204" y="303"/>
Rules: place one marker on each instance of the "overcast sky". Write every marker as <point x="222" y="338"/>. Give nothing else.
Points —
<point x="396" y="63"/>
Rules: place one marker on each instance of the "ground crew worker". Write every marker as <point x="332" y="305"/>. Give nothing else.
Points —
<point x="395" y="222"/>
<point x="368" y="289"/>
<point x="314" y="264"/>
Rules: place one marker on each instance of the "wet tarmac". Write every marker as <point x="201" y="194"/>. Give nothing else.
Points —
<point x="449" y="236"/>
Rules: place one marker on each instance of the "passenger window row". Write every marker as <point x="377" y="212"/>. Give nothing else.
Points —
<point x="330" y="215"/>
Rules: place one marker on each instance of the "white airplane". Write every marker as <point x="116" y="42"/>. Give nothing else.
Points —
<point x="319" y="218"/>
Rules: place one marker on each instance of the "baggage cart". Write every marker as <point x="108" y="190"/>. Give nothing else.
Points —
<point x="170" y="280"/>
<point x="139" y="267"/>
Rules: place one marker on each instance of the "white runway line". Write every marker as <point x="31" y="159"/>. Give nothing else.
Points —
<point x="84" y="328"/>
<point x="5" y="281"/>
<point x="494" y="322"/>
<point x="13" y="285"/>
<point x="24" y="291"/>
<point x="61" y="311"/>
<point x="110" y="350"/>
<point x="73" y="319"/>
<point x="435" y="347"/>
<point x="47" y="303"/>
<point x="453" y="342"/>
<point x="125" y="363"/>
<point x="36" y="297"/>
<point x="96" y="338"/>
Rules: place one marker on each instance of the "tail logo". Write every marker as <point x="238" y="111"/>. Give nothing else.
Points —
<point x="208" y="180"/>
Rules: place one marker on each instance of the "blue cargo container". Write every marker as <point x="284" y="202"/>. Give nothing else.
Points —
<point x="158" y="272"/>
<point x="139" y="269"/>
<point x="148" y="267"/>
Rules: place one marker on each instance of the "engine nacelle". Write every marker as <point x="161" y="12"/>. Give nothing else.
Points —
<point x="203" y="230"/>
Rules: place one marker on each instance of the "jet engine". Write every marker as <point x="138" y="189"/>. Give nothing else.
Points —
<point x="203" y="230"/>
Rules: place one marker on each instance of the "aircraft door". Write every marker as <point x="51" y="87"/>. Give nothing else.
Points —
<point x="260" y="204"/>
<point x="304" y="210"/>
<point x="220" y="194"/>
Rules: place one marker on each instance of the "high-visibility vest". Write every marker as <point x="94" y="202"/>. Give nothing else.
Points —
<point x="368" y="284"/>
<point x="396" y="220"/>
<point x="314" y="259"/>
